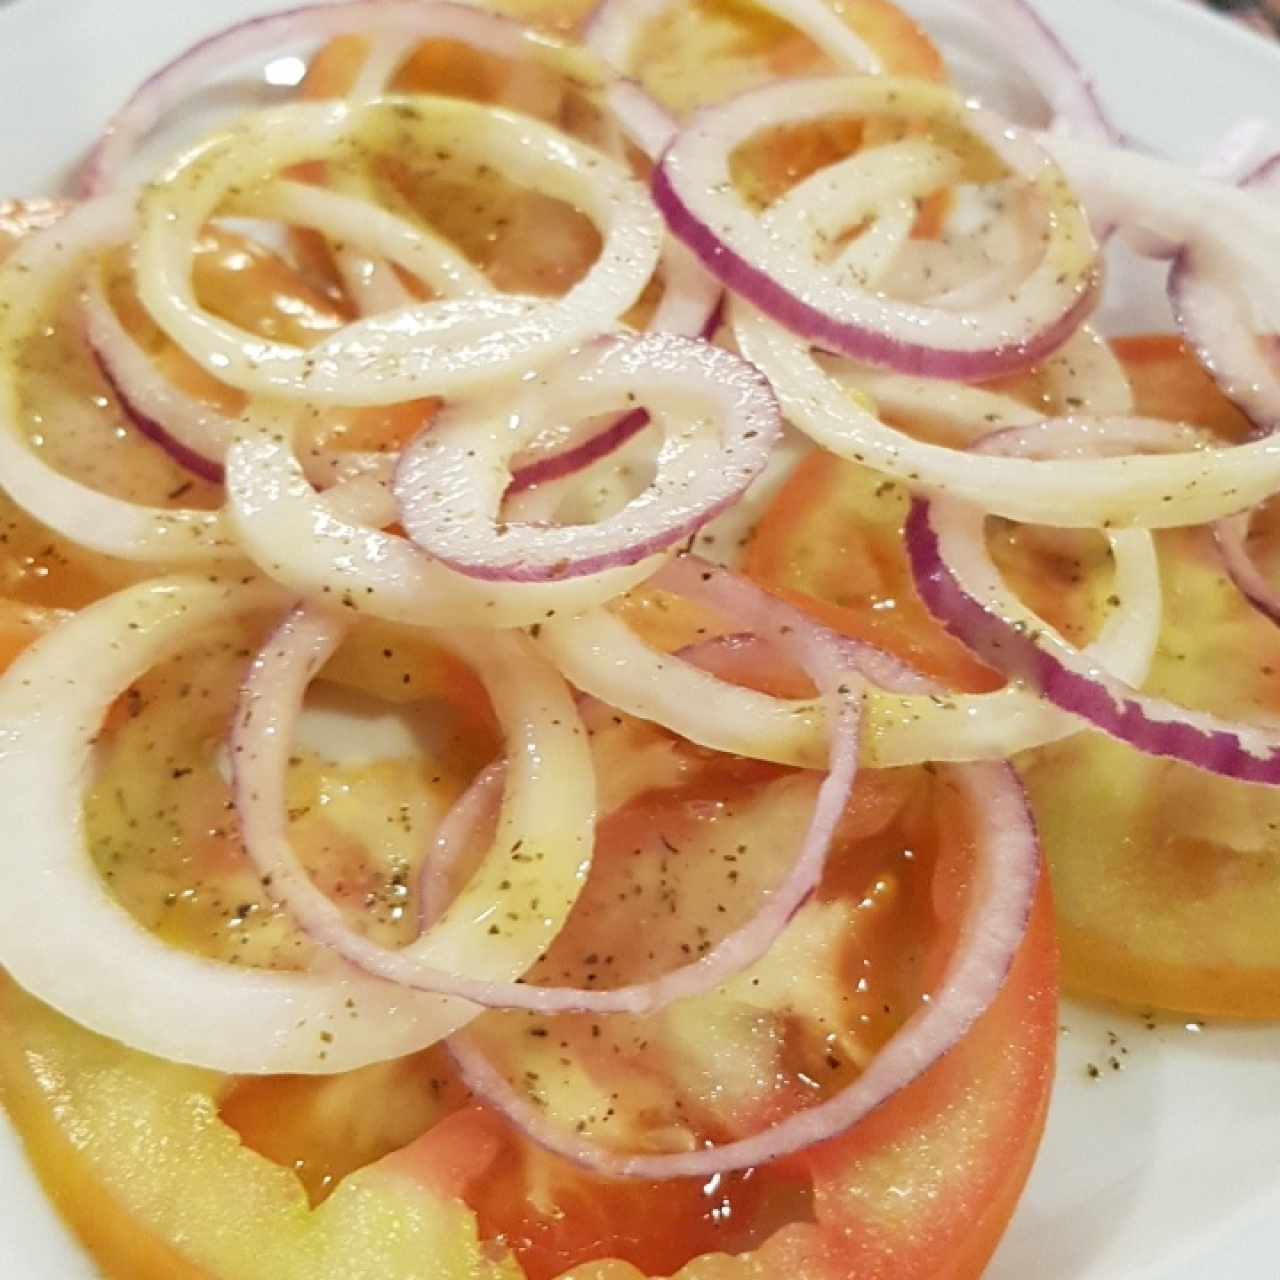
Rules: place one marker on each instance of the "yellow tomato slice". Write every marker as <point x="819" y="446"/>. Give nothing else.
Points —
<point x="1168" y="879"/>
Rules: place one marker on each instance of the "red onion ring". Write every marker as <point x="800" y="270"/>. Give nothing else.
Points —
<point x="1232" y="538"/>
<point x="271" y="701"/>
<point x="30" y="279"/>
<point x="195" y="435"/>
<point x="961" y="586"/>
<point x="995" y="921"/>
<point x="451" y="479"/>
<point x="694" y="191"/>
<point x="1213" y="315"/>
<point x="905" y="720"/>
<point x="1067" y="87"/>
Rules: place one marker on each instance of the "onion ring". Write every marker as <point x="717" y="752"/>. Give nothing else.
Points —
<point x="80" y="951"/>
<point x="451" y="479"/>
<point x="332" y="546"/>
<point x="29" y="280"/>
<point x="995" y="920"/>
<point x="273" y="696"/>
<point x="441" y="347"/>
<point x="194" y="67"/>
<point x="958" y="582"/>
<point x="694" y="189"/>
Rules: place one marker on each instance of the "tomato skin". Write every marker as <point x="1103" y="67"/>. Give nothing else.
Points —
<point x="957" y="1145"/>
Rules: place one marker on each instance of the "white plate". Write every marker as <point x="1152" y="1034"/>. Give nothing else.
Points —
<point x="1167" y="1170"/>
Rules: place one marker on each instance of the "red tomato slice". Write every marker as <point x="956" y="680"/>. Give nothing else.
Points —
<point x="920" y="1191"/>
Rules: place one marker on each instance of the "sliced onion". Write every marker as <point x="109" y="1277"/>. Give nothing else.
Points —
<point x="332" y="546"/>
<point x="1232" y="538"/>
<point x="1149" y="491"/>
<point x="1212" y="310"/>
<point x="438" y="347"/>
<point x="272" y="700"/>
<point x="30" y="282"/>
<point x="694" y="189"/>
<point x="615" y="28"/>
<point x="906" y="721"/>
<point x="717" y="413"/>
<point x="1054" y="69"/>
<point x="65" y="936"/>
<point x="1084" y="377"/>
<point x="995" y="920"/>
<point x="195" y="434"/>
<point x="959" y="583"/>
<point x="880" y="186"/>
<point x="192" y="69"/>
<point x="517" y="899"/>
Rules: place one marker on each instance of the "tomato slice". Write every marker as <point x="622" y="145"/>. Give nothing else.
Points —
<point x="142" y="1155"/>
<point x="832" y="543"/>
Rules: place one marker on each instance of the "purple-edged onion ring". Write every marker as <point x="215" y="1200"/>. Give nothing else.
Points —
<point x="694" y="189"/>
<point x="718" y="415"/>
<point x="192" y="69"/>
<point x="960" y="584"/>
<point x="1001" y="895"/>
<point x="272" y="700"/>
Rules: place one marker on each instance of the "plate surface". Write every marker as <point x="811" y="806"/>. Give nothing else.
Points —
<point x="1168" y="1169"/>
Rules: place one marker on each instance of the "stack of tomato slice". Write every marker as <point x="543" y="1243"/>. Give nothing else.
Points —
<point x="701" y="1021"/>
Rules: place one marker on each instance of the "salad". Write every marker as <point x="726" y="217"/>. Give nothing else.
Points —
<point x="592" y="632"/>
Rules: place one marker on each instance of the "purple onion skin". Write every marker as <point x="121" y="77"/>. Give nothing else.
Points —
<point x="201" y="467"/>
<point x="867" y="345"/>
<point x="1017" y="656"/>
<point x="1266" y="603"/>
<point x="603" y="443"/>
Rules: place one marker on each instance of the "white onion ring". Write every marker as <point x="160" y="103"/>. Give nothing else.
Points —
<point x="192" y="69"/>
<point x="451" y="479"/>
<point x="1147" y="491"/>
<point x="441" y="347"/>
<point x="995" y="921"/>
<point x="196" y="435"/>
<point x="694" y="189"/>
<point x="904" y="722"/>
<point x="29" y="282"/>
<point x="272" y="699"/>
<point x="331" y="546"/>
<point x="76" y="948"/>
<point x="881" y="185"/>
